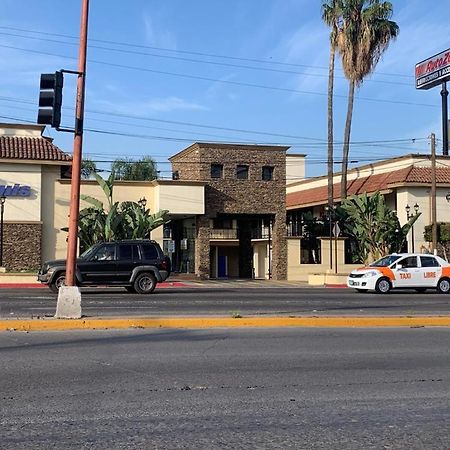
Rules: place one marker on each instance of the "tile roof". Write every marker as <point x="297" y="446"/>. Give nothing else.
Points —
<point x="31" y="148"/>
<point x="372" y="183"/>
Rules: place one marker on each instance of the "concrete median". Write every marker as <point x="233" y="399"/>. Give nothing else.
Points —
<point x="91" y="323"/>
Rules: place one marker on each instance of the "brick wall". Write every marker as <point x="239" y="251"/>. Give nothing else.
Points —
<point x="22" y="246"/>
<point x="229" y="195"/>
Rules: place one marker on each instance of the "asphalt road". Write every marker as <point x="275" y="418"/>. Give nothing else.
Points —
<point x="227" y="301"/>
<point x="246" y="389"/>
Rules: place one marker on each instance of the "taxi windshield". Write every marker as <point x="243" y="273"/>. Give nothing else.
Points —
<point x="385" y="261"/>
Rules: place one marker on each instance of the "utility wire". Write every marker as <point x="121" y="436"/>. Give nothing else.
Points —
<point x="178" y="58"/>
<point x="319" y="142"/>
<point x="212" y="55"/>
<point x="216" y="80"/>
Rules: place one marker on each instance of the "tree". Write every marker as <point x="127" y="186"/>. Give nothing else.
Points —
<point x="443" y="238"/>
<point x="88" y="168"/>
<point x="374" y="226"/>
<point x="114" y="221"/>
<point x="331" y="13"/>
<point x="363" y="37"/>
<point x="129" y="169"/>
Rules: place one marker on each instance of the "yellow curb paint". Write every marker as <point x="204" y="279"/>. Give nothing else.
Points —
<point x="219" y="322"/>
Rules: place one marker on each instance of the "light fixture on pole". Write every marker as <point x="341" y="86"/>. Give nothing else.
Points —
<point x="409" y="216"/>
<point x="142" y="202"/>
<point x="2" y="210"/>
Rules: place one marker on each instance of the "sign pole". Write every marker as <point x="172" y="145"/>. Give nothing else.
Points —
<point x="69" y="297"/>
<point x="444" y="95"/>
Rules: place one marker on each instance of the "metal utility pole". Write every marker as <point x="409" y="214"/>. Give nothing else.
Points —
<point x="77" y="149"/>
<point x="433" y="193"/>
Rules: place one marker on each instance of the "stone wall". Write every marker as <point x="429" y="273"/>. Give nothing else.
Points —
<point x="22" y="246"/>
<point x="229" y="195"/>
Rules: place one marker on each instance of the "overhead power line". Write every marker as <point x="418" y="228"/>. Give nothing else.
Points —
<point x="216" y="80"/>
<point x="210" y="55"/>
<point x="216" y="63"/>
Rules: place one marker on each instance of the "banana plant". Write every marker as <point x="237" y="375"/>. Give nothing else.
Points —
<point x="374" y="226"/>
<point x="114" y="221"/>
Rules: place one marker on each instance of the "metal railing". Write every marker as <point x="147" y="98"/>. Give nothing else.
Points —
<point x="223" y="233"/>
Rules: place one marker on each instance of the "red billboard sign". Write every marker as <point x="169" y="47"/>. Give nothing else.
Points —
<point x="433" y="71"/>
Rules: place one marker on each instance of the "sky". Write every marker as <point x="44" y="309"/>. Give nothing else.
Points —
<point x="164" y="74"/>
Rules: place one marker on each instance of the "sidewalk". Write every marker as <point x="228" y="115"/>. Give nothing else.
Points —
<point x="17" y="280"/>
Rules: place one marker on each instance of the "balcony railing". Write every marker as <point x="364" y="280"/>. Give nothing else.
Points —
<point x="261" y="233"/>
<point x="223" y="233"/>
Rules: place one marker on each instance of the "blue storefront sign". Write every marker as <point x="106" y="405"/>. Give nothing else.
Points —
<point x="16" y="190"/>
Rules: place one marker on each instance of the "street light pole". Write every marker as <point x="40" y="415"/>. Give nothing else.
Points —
<point x="2" y="210"/>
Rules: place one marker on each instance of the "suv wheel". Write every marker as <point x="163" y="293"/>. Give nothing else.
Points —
<point x="145" y="283"/>
<point x="58" y="281"/>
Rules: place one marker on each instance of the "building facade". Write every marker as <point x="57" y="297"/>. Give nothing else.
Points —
<point x="405" y="183"/>
<point x="243" y="230"/>
<point x="226" y="203"/>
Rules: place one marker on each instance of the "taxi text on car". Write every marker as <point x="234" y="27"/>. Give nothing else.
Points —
<point x="404" y="270"/>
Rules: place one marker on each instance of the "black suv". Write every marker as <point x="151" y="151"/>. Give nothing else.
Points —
<point x="137" y="265"/>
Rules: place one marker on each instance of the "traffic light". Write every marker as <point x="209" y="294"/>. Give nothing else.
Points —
<point x="50" y="99"/>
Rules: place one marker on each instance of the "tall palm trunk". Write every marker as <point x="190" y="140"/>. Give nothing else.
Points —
<point x="346" y="148"/>
<point x="330" y="126"/>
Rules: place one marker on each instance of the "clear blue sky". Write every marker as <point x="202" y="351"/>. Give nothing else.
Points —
<point x="285" y="39"/>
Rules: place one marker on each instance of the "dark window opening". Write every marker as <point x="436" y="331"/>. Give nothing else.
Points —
<point x="310" y="251"/>
<point x="242" y="172"/>
<point x="216" y="171"/>
<point x="219" y="223"/>
<point x="267" y="173"/>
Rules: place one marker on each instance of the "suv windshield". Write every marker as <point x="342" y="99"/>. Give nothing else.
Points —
<point x="385" y="261"/>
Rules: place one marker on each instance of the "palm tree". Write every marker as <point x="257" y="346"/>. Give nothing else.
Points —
<point x="88" y="168"/>
<point x="331" y="14"/>
<point x="364" y="36"/>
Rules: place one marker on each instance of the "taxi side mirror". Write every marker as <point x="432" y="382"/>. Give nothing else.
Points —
<point x="398" y="266"/>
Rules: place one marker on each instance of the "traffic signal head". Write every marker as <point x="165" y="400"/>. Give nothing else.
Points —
<point x="50" y="99"/>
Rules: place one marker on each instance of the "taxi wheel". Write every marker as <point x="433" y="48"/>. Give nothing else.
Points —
<point x="443" y="286"/>
<point x="383" y="286"/>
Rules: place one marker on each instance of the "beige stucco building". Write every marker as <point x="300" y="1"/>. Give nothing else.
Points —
<point x="226" y="205"/>
<point x="404" y="181"/>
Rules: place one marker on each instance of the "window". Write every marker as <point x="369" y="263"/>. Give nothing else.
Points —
<point x="267" y="173"/>
<point x="128" y="252"/>
<point x="410" y="261"/>
<point x="242" y="172"/>
<point x="106" y="253"/>
<point x="216" y="170"/>
<point x="428" y="261"/>
<point x="149" y="252"/>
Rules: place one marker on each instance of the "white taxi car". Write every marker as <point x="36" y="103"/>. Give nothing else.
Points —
<point x="403" y="270"/>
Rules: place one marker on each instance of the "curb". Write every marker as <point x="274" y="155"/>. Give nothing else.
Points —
<point x="52" y="324"/>
<point x="164" y="285"/>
